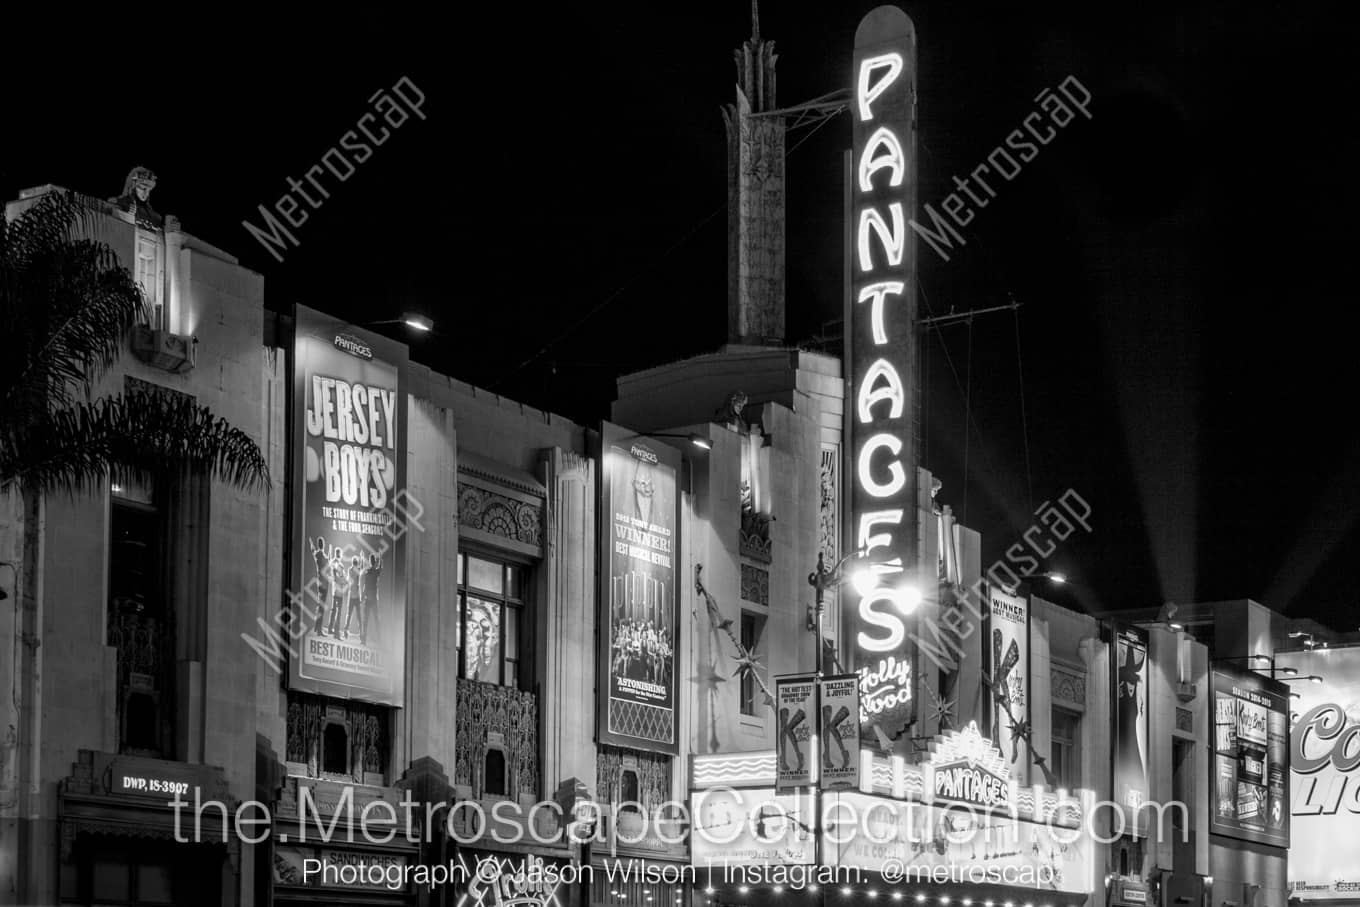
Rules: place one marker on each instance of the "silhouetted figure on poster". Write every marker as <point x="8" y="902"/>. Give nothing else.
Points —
<point x="321" y="558"/>
<point x="370" y="599"/>
<point x="1129" y="759"/>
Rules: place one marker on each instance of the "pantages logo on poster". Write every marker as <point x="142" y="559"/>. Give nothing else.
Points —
<point x="347" y="579"/>
<point x="639" y="621"/>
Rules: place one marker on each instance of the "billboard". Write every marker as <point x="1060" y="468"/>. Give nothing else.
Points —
<point x="1249" y="790"/>
<point x="881" y="355"/>
<point x="1006" y="653"/>
<point x="347" y="571"/>
<point x="1324" y="750"/>
<point x="796" y="710"/>
<point x="1129" y="683"/>
<point x="839" y="731"/>
<point x="639" y="618"/>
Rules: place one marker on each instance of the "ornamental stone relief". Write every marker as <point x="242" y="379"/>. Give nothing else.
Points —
<point x="499" y="515"/>
<point x="1069" y="687"/>
<point x="496" y="717"/>
<point x="755" y="584"/>
<point x="653" y="776"/>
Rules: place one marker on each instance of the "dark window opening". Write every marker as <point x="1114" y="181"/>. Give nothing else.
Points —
<point x="1066" y="739"/>
<point x="335" y="749"/>
<point x="751" y="625"/>
<point x="495" y="772"/>
<point x="139" y="628"/>
<point x="141" y="729"/>
<point x="1182" y="783"/>
<point x="628" y="791"/>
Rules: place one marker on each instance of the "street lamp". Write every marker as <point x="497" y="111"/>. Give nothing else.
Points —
<point x="412" y="320"/>
<point x="694" y="438"/>
<point x="824" y="578"/>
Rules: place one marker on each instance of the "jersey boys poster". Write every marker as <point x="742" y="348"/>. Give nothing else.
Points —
<point x="1249" y="792"/>
<point x="1130" y="750"/>
<point x="639" y="620"/>
<point x="347" y="583"/>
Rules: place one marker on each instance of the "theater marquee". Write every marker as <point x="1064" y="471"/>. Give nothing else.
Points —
<point x="347" y="578"/>
<point x="881" y="352"/>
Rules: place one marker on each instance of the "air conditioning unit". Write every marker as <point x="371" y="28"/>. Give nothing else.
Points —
<point x="163" y="349"/>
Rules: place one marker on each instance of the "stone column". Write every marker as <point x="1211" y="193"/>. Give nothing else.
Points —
<point x="567" y="658"/>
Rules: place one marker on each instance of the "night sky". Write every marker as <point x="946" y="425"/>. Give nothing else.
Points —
<point x="1183" y="259"/>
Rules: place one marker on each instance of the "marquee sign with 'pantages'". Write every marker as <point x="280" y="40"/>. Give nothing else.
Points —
<point x="966" y="767"/>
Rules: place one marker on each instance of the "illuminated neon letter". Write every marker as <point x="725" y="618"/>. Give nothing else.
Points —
<point x="868" y="93"/>
<point x="876" y="293"/>
<point x="897" y="631"/>
<point x="891" y="390"/>
<point x="898" y="475"/>
<point x="893" y="240"/>
<point x="893" y="158"/>
<point x="868" y="540"/>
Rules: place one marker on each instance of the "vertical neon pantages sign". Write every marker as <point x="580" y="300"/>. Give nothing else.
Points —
<point x="881" y="353"/>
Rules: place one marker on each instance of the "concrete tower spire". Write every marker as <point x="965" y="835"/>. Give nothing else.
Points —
<point x="755" y="197"/>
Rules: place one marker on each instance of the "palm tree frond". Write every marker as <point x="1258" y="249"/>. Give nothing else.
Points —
<point x="137" y="436"/>
<point x="67" y="302"/>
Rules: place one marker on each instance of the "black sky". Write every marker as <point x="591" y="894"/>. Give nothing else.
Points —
<point x="1183" y="258"/>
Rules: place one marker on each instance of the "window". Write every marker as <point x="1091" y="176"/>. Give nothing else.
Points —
<point x="628" y="790"/>
<point x="139" y="627"/>
<point x="335" y="749"/>
<point x="1183" y="783"/>
<point x="1065" y="759"/>
<point x="149" y="274"/>
<point x="751" y="625"/>
<point x="491" y="605"/>
<point x="495" y="773"/>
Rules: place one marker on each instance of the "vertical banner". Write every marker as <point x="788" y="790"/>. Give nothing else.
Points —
<point x="1129" y="682"/>
<point x="639" y="621"/>
<point x="1248" y="788"/>
<point x="882" y="359"/>
<point x="1006" y="652"/>
<point x="839" y="731"/>
<point x="347" y="573"/>
<point x="1324" y="751"/>
<point x="796" y="711"/>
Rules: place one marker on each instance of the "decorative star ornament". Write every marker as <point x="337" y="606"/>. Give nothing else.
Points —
<point x="746" y="661"/>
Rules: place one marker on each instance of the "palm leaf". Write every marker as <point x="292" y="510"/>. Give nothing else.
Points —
<point x="137" y="436"/>
<point x="66" y="302"/>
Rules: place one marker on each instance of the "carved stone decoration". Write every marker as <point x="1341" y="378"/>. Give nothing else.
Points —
<point x="1185" y="720"/>
<point x="653" y="775"/>
<point x="755" y="536"/>
<point x="755" y="584"/>
<point x="1068" y="687"/>
<point x="484" y="710"/>
<point x="827" y="531"/>
<point x="499" y="515"/>
<point x="365" y="728"/>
